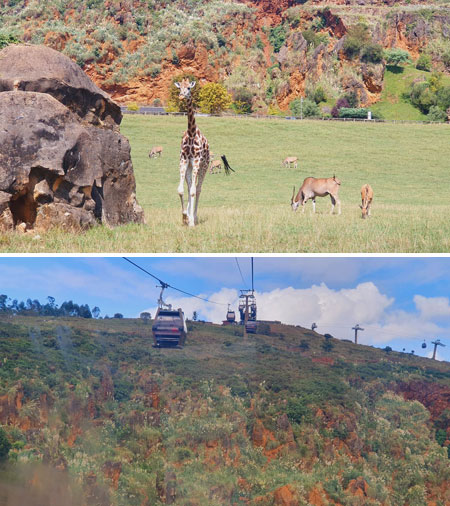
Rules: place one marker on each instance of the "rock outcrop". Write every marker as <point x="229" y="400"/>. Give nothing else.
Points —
<point x="63" y="161"/>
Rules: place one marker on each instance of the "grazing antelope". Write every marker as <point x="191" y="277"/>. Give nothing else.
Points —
<point x="313" y="187"/>
<point x="366" y="200"/>
<point x="290" y="159"/>
<point x="157" y="150"/>
<point x="215" y="166"/>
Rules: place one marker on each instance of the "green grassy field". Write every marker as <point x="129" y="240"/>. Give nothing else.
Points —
<point x="407" y="166"/>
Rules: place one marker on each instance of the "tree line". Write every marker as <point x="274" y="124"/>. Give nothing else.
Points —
<point x="50" y="308"/>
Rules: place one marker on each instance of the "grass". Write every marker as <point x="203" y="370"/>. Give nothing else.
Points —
<point x="397" y="82"/>
<point x="250" y="212"/>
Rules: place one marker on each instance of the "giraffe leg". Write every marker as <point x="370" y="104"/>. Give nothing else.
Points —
<point x="200" y="178"/>
<point x="193" y="193"/>
<point x="183" y="168"/>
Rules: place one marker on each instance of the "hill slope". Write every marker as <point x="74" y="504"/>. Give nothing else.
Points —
<point x="276" y="50"/>
<point x="97" y="416"/>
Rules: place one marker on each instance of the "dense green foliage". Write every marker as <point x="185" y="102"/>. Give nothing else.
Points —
<point x="214" y="98"/>
<point x="251" y="415"/>
<point x="5" y="445"/>
<point x="396" y="56"/>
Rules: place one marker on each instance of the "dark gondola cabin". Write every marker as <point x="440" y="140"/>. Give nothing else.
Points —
<point x="231" y="316"/>
<point x="169" y="328"/>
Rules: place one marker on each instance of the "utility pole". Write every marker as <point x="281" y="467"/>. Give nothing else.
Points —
<point x="436" y="344"/>
<point x="314" y="326"/>
<point x="356" y="328"/>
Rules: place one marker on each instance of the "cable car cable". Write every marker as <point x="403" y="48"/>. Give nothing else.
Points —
<point x="240" y="272"/>
<point x="166" y="285"/>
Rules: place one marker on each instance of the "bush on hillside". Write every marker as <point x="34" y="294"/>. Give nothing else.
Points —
<point x="5" y="445"/>
<point x="318" y="95"/>
<point x="353" y="112"/>
<point x="5" y="40"/>
<point x="340" y="103"/>
<point x="436" y="114"/>
<point x="422" y="97"/>
<point x="277" y="37"/>
<point x="214" y="98"/>
<point x="372" y="53"/>
<point x="243" y="99"/>
<point x="357" y="38"/>
<point x="396" y="56"/>
<point x="424" y="62"/>
<point x="309" y="109"/>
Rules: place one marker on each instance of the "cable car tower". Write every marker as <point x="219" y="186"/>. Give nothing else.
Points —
<point x="436" y="344"/>
<point x="247" y="309"/>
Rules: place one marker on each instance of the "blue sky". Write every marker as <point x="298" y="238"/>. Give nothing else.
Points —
<point x="399" y="301"/>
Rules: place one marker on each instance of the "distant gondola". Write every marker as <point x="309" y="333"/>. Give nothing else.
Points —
<point x="231" y="316"/>
<point x="424" y="344"/>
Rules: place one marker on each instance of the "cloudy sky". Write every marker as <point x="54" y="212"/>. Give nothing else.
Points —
<point x="398" y="301"/>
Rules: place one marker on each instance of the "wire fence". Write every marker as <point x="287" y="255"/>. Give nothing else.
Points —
<point x="293" y="118"/>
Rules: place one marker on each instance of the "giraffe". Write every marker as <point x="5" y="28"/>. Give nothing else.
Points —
<point x="194" y="158"/>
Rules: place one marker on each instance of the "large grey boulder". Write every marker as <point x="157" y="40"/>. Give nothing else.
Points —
<point x="39" y="68"/>
<point x="60" y="165"/>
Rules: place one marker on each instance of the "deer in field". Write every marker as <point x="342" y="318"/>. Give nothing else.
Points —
<point x="366" y="200"/>
<point x="317" y="187"/>
<point x="215" y="166"/>
<point x="155" y="151"/>
<point x="290" y="159"/>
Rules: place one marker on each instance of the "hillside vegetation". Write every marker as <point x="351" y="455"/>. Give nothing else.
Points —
<point x="267" y="54"/>
<point x="95" y="416"/>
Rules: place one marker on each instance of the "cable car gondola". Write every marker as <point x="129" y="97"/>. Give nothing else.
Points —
<point x="169" y="327"/>
<point x="424" y="344"/>
<point x="231" y="316"/>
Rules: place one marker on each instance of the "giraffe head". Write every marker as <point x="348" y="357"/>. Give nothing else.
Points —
<point x="185" y="88"/>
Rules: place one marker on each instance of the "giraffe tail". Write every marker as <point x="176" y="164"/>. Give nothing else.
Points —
<point x="226" y="165"/>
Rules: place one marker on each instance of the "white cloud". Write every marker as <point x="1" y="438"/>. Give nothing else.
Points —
<point x="432" y="307"/>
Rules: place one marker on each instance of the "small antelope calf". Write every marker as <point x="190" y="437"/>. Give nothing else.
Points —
<point x="290" y="159"/>
<point x="317" y="187"/>
<point x="155" y="151"/>
<point x="366" y="200"/>
<point x="215" y="166"/>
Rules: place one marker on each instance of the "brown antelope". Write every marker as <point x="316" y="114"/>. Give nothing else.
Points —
<point x="366" y="200"/>
<point x="215" y="166"/>
<point x="155" y="151"/>
<point x="290" y="159"/>
<point x="313" y="187"/>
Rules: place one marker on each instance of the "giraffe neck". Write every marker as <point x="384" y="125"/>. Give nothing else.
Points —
<point x="191" y="118"/>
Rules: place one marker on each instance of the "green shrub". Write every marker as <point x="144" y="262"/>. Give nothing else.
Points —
<point x="319" y="95"/>
<point x="214" y="98"/>
<point x="277" y="37"/>
<point x="422" y="97"/>
<point x="396" y="56"/>
<point x="5" y="40"/>
<point x="306" y="110"/>
<point x="5" y="445"/>
<point x="436" y="114"/>
<point x="296" y="410"/>
<point x="443" y="97"/>
<point x="424" y="62"/>
<point x="132" y="106"/>
<point x="357" y="37"/>
<point x="353" y="112"/>
<point x="243" y="99"/>
<point x="372" y="53"/>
